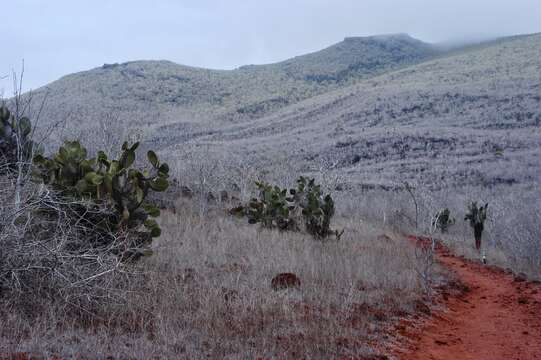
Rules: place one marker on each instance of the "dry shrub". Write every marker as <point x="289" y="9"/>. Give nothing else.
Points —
<point x="512" y="231"/>
<point x="47" y="257"/>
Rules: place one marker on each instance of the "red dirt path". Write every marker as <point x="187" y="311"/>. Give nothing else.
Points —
<point x="498" y="318"/>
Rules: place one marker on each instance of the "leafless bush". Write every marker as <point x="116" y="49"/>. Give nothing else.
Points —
<point x="202" y="171"/>
<point x="511" y="237"/>
<point x="46" y="253"/>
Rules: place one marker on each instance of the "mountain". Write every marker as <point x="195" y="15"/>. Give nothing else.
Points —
<point x="147" y="93"/>
<point x="377" y="110"/>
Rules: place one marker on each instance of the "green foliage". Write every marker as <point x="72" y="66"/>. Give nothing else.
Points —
<point x="477" y="216"/>
<point x="273" y="208"/>
<point x="15" y="143"/>
<point x="317" y="210"/>
<point x="286" y="209"/>
<point x="443" y="220"/>
<point x="114" y="184"/>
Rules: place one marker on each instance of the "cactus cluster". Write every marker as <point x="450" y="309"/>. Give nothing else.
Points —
<point x="477" y="215"/>
<point x="15" y="142"/>
<point x="317" y="210"/>
<point x="273" y="208"/>
<point x="112" y="183"/>
<point x="443" y="220"/>
<point x="286" y="209"/>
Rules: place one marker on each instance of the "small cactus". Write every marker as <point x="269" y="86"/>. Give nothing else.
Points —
<point x="317" y="210"/>
<point x="443" y="220"/>
<point x="15" y="142"/>
<point x="273" y="208"/>
<point x="477" y="216"/>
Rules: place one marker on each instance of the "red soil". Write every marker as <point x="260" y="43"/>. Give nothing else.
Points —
<point x="499" y="317"/>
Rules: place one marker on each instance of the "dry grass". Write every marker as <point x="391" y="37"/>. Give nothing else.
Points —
<point x="206" y="294"/>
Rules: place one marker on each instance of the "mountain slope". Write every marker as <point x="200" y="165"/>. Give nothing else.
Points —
<point x="469" y="118"/>
<point x="158" y="92"/>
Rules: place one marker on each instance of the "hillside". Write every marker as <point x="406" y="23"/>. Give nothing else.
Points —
<point x="145" y="93"/>
<point x="469" y="118"/>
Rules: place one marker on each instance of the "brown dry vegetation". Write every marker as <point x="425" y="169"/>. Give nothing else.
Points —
<point x="206" y="292"/>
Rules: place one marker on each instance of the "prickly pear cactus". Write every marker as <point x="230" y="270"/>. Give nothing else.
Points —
<point x="317" y="210"/>
<point x="15" y="143"/>
<point x="443" y="220"/>
<point x="477" y="216"/>
<point x="111" y="183"/>
<point x="286" y="209"/>
<point x="272" y="209"/>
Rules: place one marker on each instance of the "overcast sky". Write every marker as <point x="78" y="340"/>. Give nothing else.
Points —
<point x="58" y="37"/>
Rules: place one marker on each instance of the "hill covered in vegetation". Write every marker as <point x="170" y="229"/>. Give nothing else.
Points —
<point x="147" y="93"/>
<point x="471" y="117"/>
<point x="377" y="109"/>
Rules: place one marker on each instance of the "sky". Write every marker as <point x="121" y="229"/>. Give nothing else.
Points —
<point x="59" y="37"/>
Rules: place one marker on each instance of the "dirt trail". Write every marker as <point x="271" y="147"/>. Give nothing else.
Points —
<point x="498" y="318"/>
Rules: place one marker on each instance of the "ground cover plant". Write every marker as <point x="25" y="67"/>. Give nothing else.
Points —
<point x="207" y="291"/>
